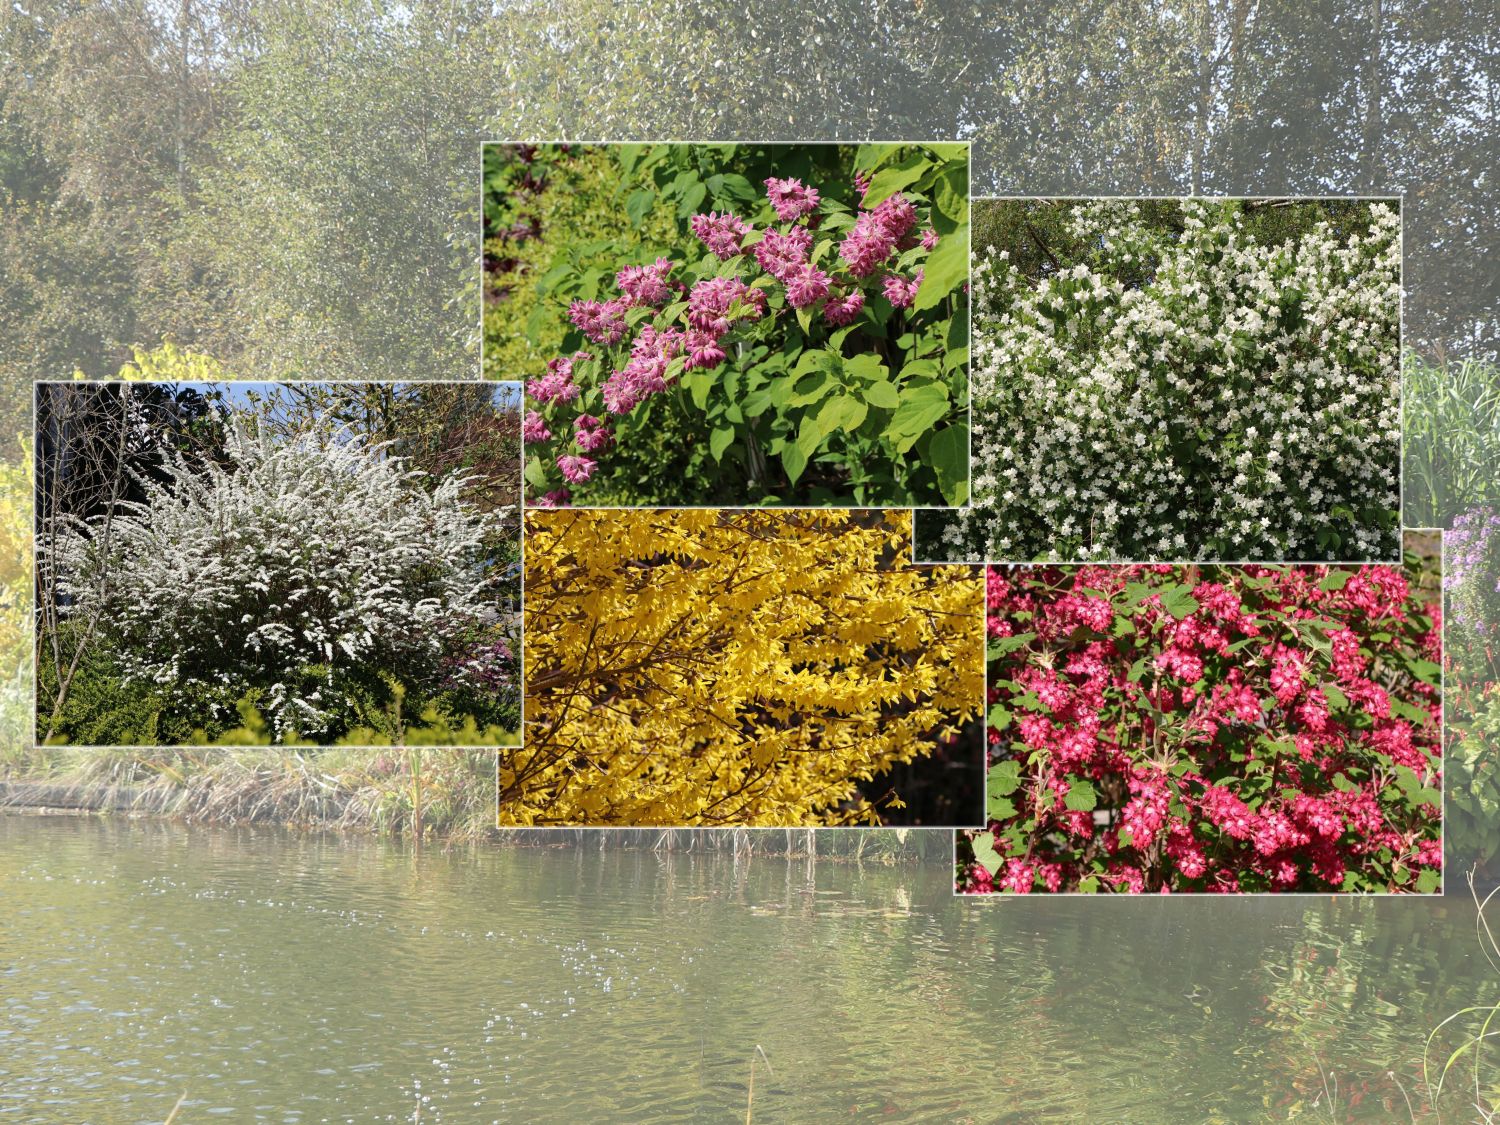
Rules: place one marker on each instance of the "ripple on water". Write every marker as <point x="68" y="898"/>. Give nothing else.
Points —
<point x="310" y="978"/>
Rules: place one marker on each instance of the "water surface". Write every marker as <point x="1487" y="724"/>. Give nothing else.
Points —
<point x="284" y="978"/>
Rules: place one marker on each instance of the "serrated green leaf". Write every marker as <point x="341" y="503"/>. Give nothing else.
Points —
<point x="1004" y="778"/>
<point x="1081" y="796"/>
<point x="985" y="854"/>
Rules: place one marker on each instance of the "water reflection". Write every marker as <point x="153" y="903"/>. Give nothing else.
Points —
<point x="298" y="979"/>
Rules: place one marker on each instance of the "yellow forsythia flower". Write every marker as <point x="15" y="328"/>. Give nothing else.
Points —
<point x="705" y="667"/>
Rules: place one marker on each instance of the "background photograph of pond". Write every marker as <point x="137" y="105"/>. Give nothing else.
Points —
<point x="214" y="191"/>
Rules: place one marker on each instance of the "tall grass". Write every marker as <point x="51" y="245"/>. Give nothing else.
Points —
<point x="1483" y="1024"/>
<point x="445" y="794"/>
<point x="1452" y="428"/>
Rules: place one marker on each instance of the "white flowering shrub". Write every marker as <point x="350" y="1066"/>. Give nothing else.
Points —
<point x="1184" y="390"/>
<point x="300" y="567"/>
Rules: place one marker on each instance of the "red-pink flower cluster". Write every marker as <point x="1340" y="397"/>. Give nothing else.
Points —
<point x="1229" y="730"/>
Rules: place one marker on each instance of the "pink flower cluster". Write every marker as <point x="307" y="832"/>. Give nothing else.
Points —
<point x="601" y="321"/>
<point x="645" y="285"/>
<point x="723" y="234"/>
<point x="1228" y="724"/>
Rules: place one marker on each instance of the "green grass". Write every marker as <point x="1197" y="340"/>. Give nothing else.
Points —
<point x="1452" y="429"/>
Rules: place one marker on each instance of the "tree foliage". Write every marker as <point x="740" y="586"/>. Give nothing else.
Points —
<point x="726" y="668"/>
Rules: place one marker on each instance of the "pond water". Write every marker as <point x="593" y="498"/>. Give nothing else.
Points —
<point x="285" y="978"/>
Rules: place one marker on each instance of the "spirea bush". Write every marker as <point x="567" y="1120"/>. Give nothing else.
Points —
<point x="713" y="668"/>
<point x="1170" y="383"/>
<point x="805" y="339"/>
<point x="1472" y="580"/>
<point x="293" y="570"/>
<point x="1215" y="729"/>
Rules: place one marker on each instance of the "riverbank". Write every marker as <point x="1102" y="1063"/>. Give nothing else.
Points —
<point x="443" y="796"/>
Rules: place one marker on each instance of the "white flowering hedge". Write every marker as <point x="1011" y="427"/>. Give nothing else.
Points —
<point x="1182" y="390"/>
<point x="300" y="565"/>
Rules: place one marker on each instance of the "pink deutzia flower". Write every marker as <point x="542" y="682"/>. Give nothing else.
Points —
<point x="576" y="470"/>
<point x="901" y="291"/>
<point x="791" y="199"/>
<point x="601" y="321"/>
<point x="840" y="311"/>
<point x="720" y="233"/>
<point x="592" y="434"/>
<point x="645" y="285"/>
<point x="807" y="286"/>
<point x="780" y="254"/>
<point x="534" y="428"/>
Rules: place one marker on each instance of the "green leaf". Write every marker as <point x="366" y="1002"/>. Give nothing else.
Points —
<point x="738" y="187"/>
<point x="1004" y="778"/>
<point x="536" y="473"/>
<point x="1081" y="796"/>
<point x="1336" y="580"/>
<point x="998" y="717"/>
<point x="889" y="181"/>
<point x="985" y="854"/>
<point x="1428" y="881"/>
<point x="1426" y="671"/>
<point x="882" y="393"/>
<point x="866" y="365"/>
<point x="1002" y="645"/>
<point x="920" y="408"/>
<point x="698" y="383"/>
<point x="793" y="460"/>
<point x="1179" y="602"/>
<point x="949" y="456"/>
<point x="692" y="199"/>
<point x="841" y="412"/>
<point x="946" y="268"/>
<point x="999" y="808"/>
<point x="809" y="389"/>
<point x="719" y="440"/>
<point x="638" y="205"/>
<point x="1088" y="885"/>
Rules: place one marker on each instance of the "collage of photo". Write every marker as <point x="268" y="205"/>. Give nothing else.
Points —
<point x="803" y="489"/>
<point x="1093" y="551"/>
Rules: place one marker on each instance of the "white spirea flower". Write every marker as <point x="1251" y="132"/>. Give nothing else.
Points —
<point x="299" y="560"/>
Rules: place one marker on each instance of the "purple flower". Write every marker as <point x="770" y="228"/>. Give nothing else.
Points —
<point x="901" y="291"/>
<point x="703" y="350"/>
<point x="592" y="434"/>
<point x="576" y="470"/>
<point x="720" y="233"/>
<point x="807" y="286"/>
<point x="840" y="311"/>
<point x="645" y="285"/>
<point x="791" y="199"/>
<point x="780" y="254"/>
<point x="534" y="427"/>
<point x="896" y="216"/>
<point x="866" y="246"/>
<point x="601" y="321"/>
